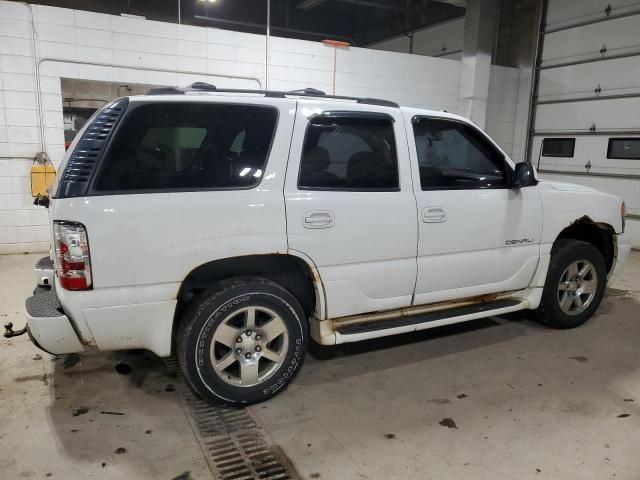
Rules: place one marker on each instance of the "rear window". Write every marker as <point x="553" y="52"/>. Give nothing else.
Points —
<point x="182" y="146"/>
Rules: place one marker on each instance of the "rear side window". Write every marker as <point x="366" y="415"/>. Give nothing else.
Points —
<point x="624" y="148"/>
<point x="351" y="153"/>
<point x="167" y="146"/>
<point x="558" y="147"/>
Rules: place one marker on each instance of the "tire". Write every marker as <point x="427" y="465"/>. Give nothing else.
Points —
<point x="568" y="301"/>
<point x="229" y="362"/>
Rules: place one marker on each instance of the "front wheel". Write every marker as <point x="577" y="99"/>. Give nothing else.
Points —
<point x="575" y="285"/>
<point x="242" y="342"/>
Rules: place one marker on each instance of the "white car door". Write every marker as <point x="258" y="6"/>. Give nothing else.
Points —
<point x="350" y="204"/>
<point x="476" y="234"/>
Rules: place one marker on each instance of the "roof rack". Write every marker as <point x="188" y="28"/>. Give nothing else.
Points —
<point x="306" y="92"/>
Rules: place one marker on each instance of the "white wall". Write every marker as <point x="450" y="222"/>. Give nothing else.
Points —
<point x="131" y="50"/>
<point x="443" y="40"/>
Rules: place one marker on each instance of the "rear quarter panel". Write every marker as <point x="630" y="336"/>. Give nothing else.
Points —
<point x="143" y="245"/>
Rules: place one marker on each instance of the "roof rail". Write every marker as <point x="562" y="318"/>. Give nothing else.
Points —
<point x="306" y="92"/>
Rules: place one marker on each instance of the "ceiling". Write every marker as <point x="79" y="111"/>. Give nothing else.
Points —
<point x="360" y="22"/>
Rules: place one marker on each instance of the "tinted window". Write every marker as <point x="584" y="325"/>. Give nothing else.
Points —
<point x="453" y="155"/>
<point x="189" y="146"/>
<point x="624" y="148"/>
<point x="349" y="153"/>
<point x="558" y="147"/>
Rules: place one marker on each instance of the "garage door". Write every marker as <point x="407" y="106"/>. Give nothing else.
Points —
<point x="586" y="105"/>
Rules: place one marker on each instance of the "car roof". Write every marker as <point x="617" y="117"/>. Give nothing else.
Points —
<point x="251" y="96"/>
<point x="200" y="91"/>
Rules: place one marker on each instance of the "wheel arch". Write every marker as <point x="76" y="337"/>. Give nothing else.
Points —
<point x="600" y="235"/>
<point x="294" y="271"/>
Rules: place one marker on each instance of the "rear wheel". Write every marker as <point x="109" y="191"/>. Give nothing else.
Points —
<point x="575" y="284"/>
<point x="243" y="341"/>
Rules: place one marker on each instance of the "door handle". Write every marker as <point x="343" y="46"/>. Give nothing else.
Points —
<point x="319" y="219"/>
<point x="434" y="215"/>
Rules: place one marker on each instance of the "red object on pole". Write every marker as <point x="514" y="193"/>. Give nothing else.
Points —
<point x="336" y="43"/>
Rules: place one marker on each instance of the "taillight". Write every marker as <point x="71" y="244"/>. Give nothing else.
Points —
<point x="73" y="263"/>
<point x="623" y="214"/>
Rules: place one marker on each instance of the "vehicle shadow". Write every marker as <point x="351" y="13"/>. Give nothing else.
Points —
<point x="130" y="420"/>
<point x="410" y="348"/>
<point x="135" y="418"/>
<point x="430" y="344"/>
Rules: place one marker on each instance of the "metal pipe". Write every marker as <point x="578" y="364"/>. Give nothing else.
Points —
<point x="586" y="133"/>
<point x="585" y="174"/>
<point x="36" y="79"/>
<point x="39" y="62"/>
<point x="266" y="47"/>
<point x="588" y="99"/>
<point x="335" y="61"/>
<point x="592" y="21"/>
<point x="588" y="60"/>
<point x="150" y="69"/>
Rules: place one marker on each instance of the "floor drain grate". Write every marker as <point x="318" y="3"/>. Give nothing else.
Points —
<point x="234" y="444"/>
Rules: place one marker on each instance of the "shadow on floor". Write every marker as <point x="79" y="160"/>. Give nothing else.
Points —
<point x="105" y="417"/>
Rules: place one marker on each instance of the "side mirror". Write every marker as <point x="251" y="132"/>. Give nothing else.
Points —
<point x="524" y="175"/>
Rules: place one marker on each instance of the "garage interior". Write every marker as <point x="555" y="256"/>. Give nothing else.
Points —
<point x="553" y="82"/>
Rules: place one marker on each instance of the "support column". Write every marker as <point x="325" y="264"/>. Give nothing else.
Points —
<point x="475" y="71"/>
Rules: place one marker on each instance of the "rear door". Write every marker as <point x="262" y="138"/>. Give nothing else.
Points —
<point x="350" y="204"/>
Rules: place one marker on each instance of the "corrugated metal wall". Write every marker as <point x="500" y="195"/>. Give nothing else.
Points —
<point x="588" y="95"/>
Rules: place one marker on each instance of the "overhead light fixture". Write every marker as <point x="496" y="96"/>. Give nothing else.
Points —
<point x="207" y="1"/>
<point x="309" y="4"/>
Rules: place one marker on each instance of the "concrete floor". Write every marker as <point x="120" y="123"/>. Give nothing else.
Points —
<point x="500" y="398"/>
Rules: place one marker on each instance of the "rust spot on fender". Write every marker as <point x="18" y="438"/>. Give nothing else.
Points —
<point x="88" y="343"/>
<point x="315" y="275"/>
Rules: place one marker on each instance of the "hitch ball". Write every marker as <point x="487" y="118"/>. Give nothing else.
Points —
<point x="10" y="332"/>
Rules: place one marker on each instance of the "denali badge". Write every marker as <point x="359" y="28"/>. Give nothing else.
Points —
<point x="518" y="242"/>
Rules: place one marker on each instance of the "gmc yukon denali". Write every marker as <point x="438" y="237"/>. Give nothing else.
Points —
<point x="230" y="227"/>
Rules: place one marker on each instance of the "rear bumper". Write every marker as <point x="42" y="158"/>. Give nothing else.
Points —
<point x="48" y="326"/>
<point x="44" y="272"/>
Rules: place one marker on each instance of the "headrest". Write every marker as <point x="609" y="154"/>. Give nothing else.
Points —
<point x="359" y="166"/>
<point x="315" y="160"/>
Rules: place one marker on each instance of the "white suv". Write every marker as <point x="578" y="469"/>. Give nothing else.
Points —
<point x="229" y="227"/>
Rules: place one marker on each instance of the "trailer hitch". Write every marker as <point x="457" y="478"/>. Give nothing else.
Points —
<point x="10" y="332"/>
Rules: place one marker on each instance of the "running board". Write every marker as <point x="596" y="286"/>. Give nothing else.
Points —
<point x="382" y="324"/>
